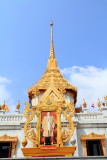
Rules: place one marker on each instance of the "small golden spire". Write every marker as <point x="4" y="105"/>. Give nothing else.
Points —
<point x="84" y="104"/>
<point x="3" y="106"/>
<point x="52" y="63"/>
<point x="18" y="105"/>
<point x="105" y="98"/>
<point x="99" y="103"/>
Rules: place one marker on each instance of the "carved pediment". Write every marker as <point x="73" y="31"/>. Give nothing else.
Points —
<point x="53" y="93"/>
<point x="92" y="136"/>
<point x="5" y="137"/>
<point x="49" y="104"/>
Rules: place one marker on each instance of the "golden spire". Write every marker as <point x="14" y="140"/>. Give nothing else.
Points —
<point x="99" y="103"/>
<point x="52" y="63"/>
<point x="52" y="75"/>
<point x="18" y="105"/>
<point x="3" y="105"/>
<point x="84" y="104"/>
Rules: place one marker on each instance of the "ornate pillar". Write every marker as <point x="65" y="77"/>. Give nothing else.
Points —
<point x="103" y="146"/>
<point x="84" y="147"/>
<point x="13" y="149"/>
<point x="59" y="139"/>
<point x="38" y="113"/>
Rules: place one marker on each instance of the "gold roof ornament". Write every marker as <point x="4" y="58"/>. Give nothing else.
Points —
<point x="18" y="105"/>
<point x="105" y="98"/>
<point x="52" y="73"/>
<point x="99" y="103"/>
<point x="5" y="107"/>
<point x="24" y="142"/>
<point x="84" y="104"/>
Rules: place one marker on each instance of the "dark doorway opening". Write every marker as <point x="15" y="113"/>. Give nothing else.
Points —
<point x="5" y="149"/>
<point x="47" y="140"/>
<point x="94" y="148"/>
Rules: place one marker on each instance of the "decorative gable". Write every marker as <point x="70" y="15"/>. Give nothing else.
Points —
<point x="53" y="93"/>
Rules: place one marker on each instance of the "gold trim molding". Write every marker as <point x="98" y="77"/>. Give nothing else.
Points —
<point x="14" y="140"/>
<point x="93" y="136"/>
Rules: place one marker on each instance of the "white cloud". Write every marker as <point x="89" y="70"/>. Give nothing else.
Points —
<point x="90" y="81"/>
<point x="5" y="94"/>
<point x="4" y="80"/>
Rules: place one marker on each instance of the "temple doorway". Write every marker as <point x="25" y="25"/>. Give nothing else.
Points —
<point x="5" y="149"/>
<point x="47" y="140"/>
<point x="94" y="148"/>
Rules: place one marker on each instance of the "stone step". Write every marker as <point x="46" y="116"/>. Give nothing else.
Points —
<point x="60" y="158"/>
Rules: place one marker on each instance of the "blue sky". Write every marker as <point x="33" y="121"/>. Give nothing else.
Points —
<point x="80" y="39"/>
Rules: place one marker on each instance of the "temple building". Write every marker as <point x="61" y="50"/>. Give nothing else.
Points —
<point x="50" y="125"/>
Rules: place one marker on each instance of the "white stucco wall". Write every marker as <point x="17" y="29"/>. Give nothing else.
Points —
<point x="85" y="123"/>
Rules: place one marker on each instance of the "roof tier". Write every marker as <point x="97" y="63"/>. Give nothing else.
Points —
<point x="51" y="76"/>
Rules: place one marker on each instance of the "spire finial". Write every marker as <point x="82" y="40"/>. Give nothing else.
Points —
<point x="52" y="64"/>
<point x="51" y="27"/>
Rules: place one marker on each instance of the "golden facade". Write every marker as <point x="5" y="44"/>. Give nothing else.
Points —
<point x="51" y="92"/>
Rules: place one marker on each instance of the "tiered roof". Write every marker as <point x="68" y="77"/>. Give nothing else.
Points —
<point x="52" y="75"/>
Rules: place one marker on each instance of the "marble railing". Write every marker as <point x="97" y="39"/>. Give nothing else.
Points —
<point x="89" y="116"/>
<point x="78" y="116"/>
<point x="11" y="118"/>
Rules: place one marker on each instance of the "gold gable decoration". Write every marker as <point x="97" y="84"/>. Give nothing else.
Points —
<point x="93" y="136"/>
<point x="53" y="93"/>
<point x="6" y="138"/>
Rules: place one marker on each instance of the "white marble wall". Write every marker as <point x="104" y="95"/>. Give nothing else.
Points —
<point x="85" y="123"/>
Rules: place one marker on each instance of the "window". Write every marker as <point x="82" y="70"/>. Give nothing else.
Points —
<point x="94" y="148"/>
<point x="5" y="149"/>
